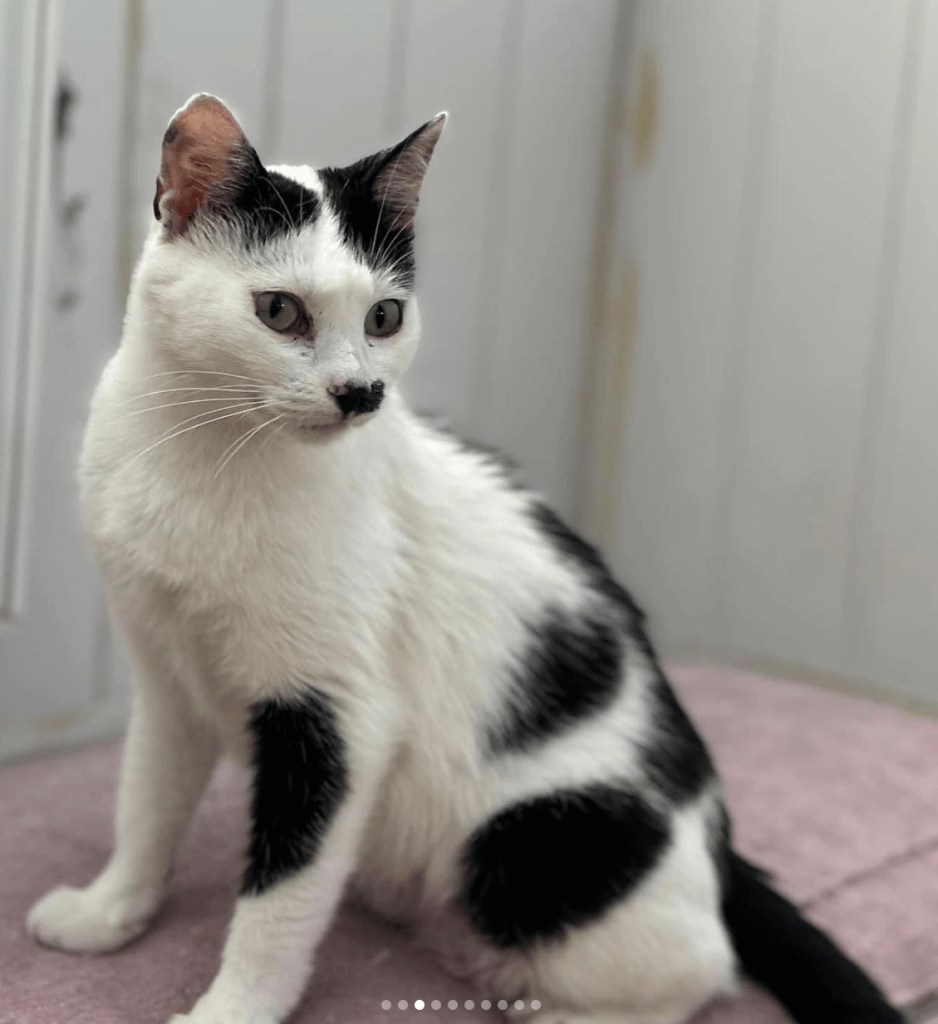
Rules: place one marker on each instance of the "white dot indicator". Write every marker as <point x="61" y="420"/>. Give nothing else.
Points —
<point x="386" y="1004"/>
<point x="418" y="1004"/>
<point x="503" y="1004"/>
<point x="519" y="1004"/>
<point x="435" y="1004"/>
<point x="469" y="1004"/>
<point x="485" y="1004"/>
<point x="452" y="1004"/>
<point x="535" y="1004"/>
<point x="402" y="1005"/>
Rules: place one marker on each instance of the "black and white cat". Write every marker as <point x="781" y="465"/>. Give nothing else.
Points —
<point x="451" y="709"/>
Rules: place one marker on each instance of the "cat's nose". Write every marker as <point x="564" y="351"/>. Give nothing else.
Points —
<point x="353" y="398"/>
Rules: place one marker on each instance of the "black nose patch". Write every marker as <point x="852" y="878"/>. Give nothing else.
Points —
<point x="358" y="399"/>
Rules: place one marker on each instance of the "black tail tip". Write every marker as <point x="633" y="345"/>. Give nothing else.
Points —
<point x="800" y="965"/>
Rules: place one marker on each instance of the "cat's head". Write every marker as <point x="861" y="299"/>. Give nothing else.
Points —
<point x="293" y="282"/>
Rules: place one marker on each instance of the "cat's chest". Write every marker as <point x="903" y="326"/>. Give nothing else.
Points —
<point x="258" y="590"/>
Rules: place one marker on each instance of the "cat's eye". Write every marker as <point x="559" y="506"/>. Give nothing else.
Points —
<point x="280" y="312"/>
<point x="384" y="318"/>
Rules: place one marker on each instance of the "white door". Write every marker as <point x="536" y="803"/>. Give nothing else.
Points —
<point x="506" y="242"/>
<point x="60" y="100"/>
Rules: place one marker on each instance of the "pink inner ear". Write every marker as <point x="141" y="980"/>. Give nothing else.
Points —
<point x="397" y="187"/>
<point x="197" y="150"/>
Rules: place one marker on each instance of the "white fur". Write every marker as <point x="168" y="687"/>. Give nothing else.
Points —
<point x="390" y="568"/>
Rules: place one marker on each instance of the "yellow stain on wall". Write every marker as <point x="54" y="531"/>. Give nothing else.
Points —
<point x="57" y="722"/>
<point x="621" y="340"/>
<point x="642" y="119"/>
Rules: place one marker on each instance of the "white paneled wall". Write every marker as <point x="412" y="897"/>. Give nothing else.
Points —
<point x="55" y="679"/>
<point x="509" y="210"/>
<point x="27" y="76"/>
<point x="775" y="493"/>
<point x="506" y="237"/>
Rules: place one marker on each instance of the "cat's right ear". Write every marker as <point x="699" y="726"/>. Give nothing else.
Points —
<point x="207" y="161"/>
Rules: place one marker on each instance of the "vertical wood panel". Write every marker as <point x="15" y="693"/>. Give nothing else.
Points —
<point x="688" y="160"/>
<point x="456" y="61"/>
<point x="338" y="62"/>
<point x="50" y="692"/>
<point x="812" y="324"/>
<point x="900" y="546"/>
<point x="26" y="96"/>
<point x="535" y="335"/>
<point x="189" y="48"/>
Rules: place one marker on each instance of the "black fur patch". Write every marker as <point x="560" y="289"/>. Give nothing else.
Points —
<point x="366" y="225"/>
<point x="271" y="205"/>
<point x="803" y="968"/>
<point x="572" y="669"/>
<point x="559" y="861"/>
<point x="719" y="842"/>
<point x="575" y="549"/>
<point x="676" y="760"/>
<point x="300" y="778"/>
<point x="573" y="665"/>
<point x="494" y="456"/>
<point x="263" y="205"/>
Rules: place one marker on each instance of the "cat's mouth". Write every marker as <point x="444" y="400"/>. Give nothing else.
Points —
<point x="313" y="432"/>
<point x="320" y="431"/>
<point x="332" y="428"/>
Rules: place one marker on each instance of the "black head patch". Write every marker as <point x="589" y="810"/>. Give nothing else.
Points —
<point x="209" y="172"/>
<point x="375" y="201"/>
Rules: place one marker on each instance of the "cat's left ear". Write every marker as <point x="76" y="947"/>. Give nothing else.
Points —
<point x="400" y="176"/>
<point x="206" y="162"/>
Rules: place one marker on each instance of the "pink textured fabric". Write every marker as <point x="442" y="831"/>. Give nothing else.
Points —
<point x="838" y="797"/>
<point x="835" y="795"/>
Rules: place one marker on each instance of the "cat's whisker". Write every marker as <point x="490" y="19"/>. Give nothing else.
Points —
<point x="290" y="219"/>
<point x="233" y="449"/>
<point x="384" y="198"/>
<point x="214" y="373"/>
<point x="173" y="405"/>
<point x="386" y="246"/>
<point x="271" y="209"/>
<point x="239" y="411"/>
<point x="266" y="440"/>
<point x="241" y="406"/>
<point x="230" y="391"/>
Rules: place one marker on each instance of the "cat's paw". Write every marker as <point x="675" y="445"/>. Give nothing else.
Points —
<point x="198" y="1016"/>
<point x="90" y="920"/>
<point x="224" y="1007"/>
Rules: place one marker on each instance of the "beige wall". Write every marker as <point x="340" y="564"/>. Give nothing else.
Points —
<point x="771" y="325"/>
<point x="506" y="241"/>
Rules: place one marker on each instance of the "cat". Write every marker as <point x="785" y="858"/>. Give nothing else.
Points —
<point x="451" y="710"/>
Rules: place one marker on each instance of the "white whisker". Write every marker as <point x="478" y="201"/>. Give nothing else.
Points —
<point x="173" y="405"/>
<point x="235" y="447"/>
<point x="387" y="188"/>
<point x="239" y="411"/>
<point x="232" y="391"/>
<point x="214" y="373"/>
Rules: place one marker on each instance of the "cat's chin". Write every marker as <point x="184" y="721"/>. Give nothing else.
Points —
<point x="314" y="433"/>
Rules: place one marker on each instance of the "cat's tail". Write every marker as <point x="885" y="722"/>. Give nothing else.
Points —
<point x="796" y="962"/>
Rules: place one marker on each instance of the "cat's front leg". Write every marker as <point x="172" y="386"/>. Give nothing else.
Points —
<point x="316" y="776"/>
<point x="168" y="757"/>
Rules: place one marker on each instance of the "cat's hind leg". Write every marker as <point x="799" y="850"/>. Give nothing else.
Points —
<point x="653" y="956"/>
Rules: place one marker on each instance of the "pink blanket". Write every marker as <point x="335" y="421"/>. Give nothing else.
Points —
<point x="836" y="796"/>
